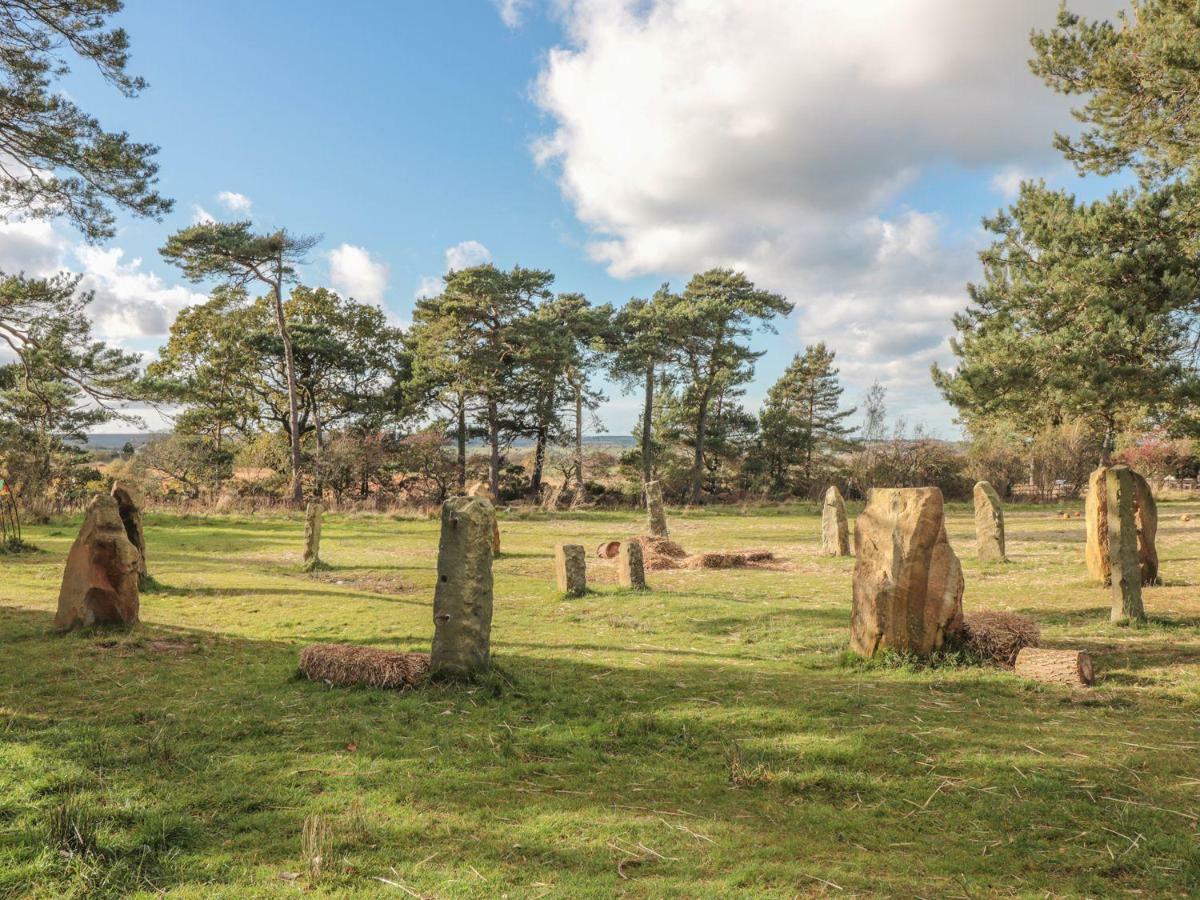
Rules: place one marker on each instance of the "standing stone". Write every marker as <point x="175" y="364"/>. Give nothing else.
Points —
<point x="100" y="582"/>
<point x="908" y="584"/>
<point x="570" y="569"/>
<point x="656" y="516"/>
<point x="1096" y="550"/>
<point x="480" y="489"/>
<point x="462" y="600"/>
<point x="989" y="522"/>
<point x="631" y="571"/>
<point x="835" y="533"/>
<point x="130" y="510"/>
<point x="312" y="535"/>
<point x="1125" y="571"/>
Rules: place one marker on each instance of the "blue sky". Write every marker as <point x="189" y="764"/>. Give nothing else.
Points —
<point x="841" y="158"/>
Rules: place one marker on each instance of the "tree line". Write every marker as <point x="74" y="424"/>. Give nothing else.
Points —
<point x="1083" y="328"/>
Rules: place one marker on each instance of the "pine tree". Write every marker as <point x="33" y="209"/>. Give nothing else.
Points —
<point x="802" y="423"/>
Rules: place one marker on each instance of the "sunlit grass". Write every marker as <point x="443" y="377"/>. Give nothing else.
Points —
<point x="708" y="737"/>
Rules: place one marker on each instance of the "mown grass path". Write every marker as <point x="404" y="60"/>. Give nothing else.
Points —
<point x="706" y="738"/>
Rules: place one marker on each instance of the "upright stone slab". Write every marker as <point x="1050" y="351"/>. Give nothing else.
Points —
<point x="100" y="581"/>
<point x="480" y="489"/>
<point x="631" y="570"/>
<point x="130" y="509"/>
<point x="908" y="584"/>
<point x="1096" y="550"/>
<point x="656" y="515"/>
<point x="989" y="522"/>
<point x="570" y="569"/>
<point x="835" y="532"/>
<point x="462" y="600"/>
<point x="312" y="535"/>
<point x="1126" y="574"/>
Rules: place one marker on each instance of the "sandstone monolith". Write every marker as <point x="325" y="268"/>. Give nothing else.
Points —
<point x="1096" y="549"/>
<point x="908" y="583"/>
<point x="656" y="515"/>
<point x="835" y="532"/>
<point x="129" y="507"/>
<point x="462" y="600"/>
<point x="570" y="569"/>
<point x="989" y="522"/>
<point x="481" y="489"/>
<point x="1124" y="568"/>
<point x="100" y="581"/>
<point x="631" y="570"/>
<point x="312" y="535"/>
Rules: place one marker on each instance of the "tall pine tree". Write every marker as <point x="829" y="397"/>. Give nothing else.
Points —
<point x="802" y="422"/>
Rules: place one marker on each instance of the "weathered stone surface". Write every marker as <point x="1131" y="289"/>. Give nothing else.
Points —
<point x="129" y="506"/>
<point x="100" y="582"/>
<point x="312" y="535"/>
<point x="835" y="532"/>
<point x="631" y="571"/>
<point x="989" y="522"/>
<point x="462" y="600"/>
<point x="656" y="515"/>
<point x="1096" y="550"/>
<point x="908" y="584"/>
<point x="1125" y="570"/>
<point x="570" y="569"/>
<point x="481" y="489"/>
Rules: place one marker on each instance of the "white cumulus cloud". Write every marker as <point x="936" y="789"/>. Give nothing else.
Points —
<point x="776" y="137"/>
<point x="462" y="255"/>
<point x="129" y="301"/>
<point x="235" y="202"/>
<point x="352" y="271"/>
<point x="511" y="11"/>
<point x="201" y="216"/>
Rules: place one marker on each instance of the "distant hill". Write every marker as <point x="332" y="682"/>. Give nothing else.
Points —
<point x="117" y="441"/>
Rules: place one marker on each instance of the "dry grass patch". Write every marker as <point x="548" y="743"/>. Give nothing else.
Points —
<point x="345" y="664"/>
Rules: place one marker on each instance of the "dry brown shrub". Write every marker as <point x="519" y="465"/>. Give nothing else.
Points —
<point x="999" y="636"/>
<point x="346" y="664"/>
<point x="660" y="553"/>
<point x="728" y="559"/>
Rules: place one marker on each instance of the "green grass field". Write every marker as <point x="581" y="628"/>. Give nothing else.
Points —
<point x="708" y="738"/>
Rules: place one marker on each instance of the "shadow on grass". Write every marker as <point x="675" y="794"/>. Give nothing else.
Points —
<point x="535" y="773"/>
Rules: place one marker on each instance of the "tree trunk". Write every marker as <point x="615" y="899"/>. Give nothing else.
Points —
<point x="462" y="443"/>
<point x="493" y="414"/>
<point x="579" y="438"/>
<point x="539" y="464"/>
<point x="698" y="459"/>
<point x="1072" y="667"/>
<point x="289" y="363"/>
<point x="319" y="462"/>
<point x="647" y="428"/>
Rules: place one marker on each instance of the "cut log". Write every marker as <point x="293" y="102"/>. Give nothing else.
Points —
<point x="1073" y="667"/>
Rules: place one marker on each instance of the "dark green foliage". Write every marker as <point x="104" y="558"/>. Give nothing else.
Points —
<point x="59" y="161"/>
<point x="1141" y="80"/>
<point x="1086" y="312"/>
<point x="802" y="423"/>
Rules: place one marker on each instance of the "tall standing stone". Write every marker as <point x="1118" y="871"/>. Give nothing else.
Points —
<point x="570" y="569"/>
<point x="656" y="515"/>
<point x="100" y="581"/>
<point x="989" y="522"/>
<point x="312" y="535"/>
<point x="481" y="489"/>
<point x="835" y="532"/>
<point x="1096" y="550"/>
<point x="462" y="600"/>
<point x="908" y="584"/>
<point x="1126" y="573"/>
<point x="631" y="570"/>
<point x="129" y="508"/>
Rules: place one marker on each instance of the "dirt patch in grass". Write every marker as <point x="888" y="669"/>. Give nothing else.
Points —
<point x="371" y="583"/>
<point x="172" y="646"/>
